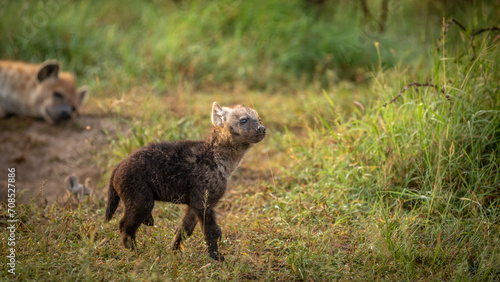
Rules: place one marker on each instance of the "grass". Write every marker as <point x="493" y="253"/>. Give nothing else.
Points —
<point x="346" y="186"/>
<point x="205" y="45"/>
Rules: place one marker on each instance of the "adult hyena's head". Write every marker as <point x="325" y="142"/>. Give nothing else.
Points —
<point x="241" y="122"/>
<point x="58" y="96"/>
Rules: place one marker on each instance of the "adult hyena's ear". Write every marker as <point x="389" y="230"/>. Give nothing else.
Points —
<point x="219" y="114"/>
<point x="82" y="93"/>
<point x="49" y="69"/>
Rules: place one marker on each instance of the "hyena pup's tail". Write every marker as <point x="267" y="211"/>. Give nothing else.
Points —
<point x="113" y="199"/>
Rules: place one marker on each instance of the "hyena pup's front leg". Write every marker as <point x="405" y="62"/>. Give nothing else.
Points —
<point x="212" y="231"/>
<point x="185" y="228"/>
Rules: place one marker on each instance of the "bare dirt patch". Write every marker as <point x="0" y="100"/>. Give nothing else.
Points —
<point x="44" y="154"/>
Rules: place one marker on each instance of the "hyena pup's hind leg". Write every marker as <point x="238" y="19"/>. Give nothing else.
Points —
<point x="149" y="221"/>
<point x="133" y="217"/>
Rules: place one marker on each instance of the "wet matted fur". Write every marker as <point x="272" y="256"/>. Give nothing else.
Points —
<point x="194" y="173"/>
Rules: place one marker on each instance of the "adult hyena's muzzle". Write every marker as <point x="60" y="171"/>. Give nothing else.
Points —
<point x="60" y="114"/>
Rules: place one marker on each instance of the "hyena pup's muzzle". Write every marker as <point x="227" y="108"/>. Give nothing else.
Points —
<point x="261" y="129"/>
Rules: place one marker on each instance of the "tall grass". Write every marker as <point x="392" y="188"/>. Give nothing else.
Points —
<point x="417" y="177"/>
<point x="208" y="44"/>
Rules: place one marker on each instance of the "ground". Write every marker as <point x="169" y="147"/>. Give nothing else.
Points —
<point x="44" y="154"/>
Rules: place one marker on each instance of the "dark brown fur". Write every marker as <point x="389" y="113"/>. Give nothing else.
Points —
<point x="194" y="173"/>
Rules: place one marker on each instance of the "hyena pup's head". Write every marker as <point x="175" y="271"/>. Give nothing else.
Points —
<point x="75" y="188"/>
<point x="242" y="122"/>
<point x="59" y="97"/>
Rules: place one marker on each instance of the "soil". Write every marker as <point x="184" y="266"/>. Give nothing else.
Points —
<point x="44" y="154"/>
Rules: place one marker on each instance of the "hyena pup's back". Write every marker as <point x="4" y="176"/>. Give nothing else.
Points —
<point x="194" y="173"/>
<point x="40" y="91"/>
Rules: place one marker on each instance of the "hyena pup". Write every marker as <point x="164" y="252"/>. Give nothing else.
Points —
<point x="194" y="173"/>
<point x="76" y="189"/>
<point x="40" y="91"/>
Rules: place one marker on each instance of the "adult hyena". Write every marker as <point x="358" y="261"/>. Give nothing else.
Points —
<point x="40" y="91"/>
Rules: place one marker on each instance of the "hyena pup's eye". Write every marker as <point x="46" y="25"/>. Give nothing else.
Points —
<point x="58" y="95"/>
<point x="243" y="121"/>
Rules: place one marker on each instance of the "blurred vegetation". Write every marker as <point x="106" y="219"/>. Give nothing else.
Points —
<point x="362" y="175"/>
<point x="262" y="45"/>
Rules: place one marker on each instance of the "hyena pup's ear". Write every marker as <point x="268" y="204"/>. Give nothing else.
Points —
<point x="72" y="184"/>
<point x="219" y="114"/>
<point x="49" y="69"/>
<point x="82" y="93"/>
